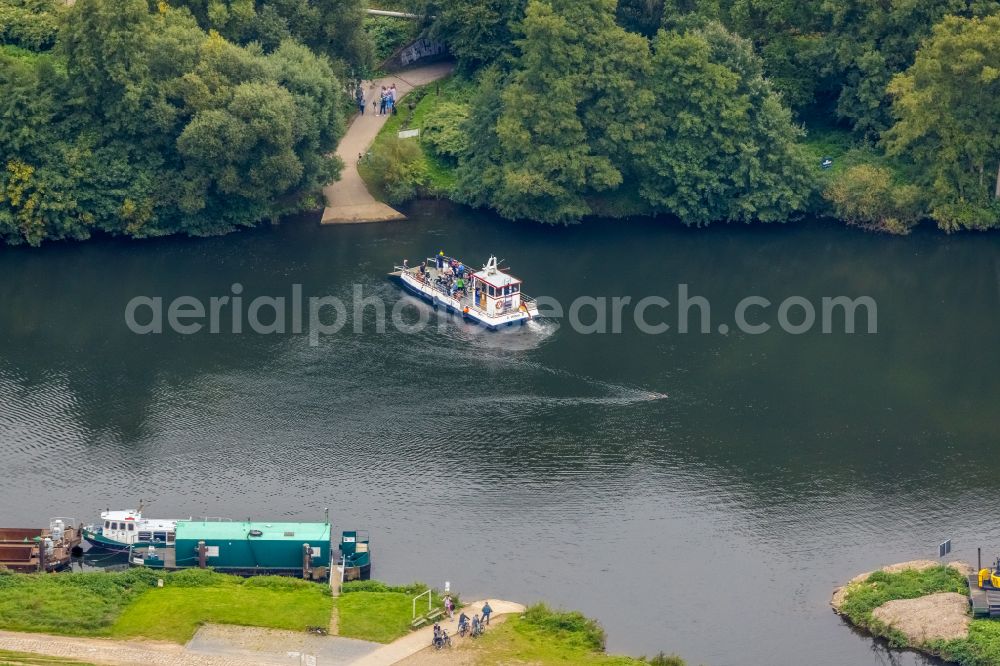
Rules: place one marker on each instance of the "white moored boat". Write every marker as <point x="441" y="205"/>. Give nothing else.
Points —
<point x="119" y="530"/>
<point x="491" y="296"/>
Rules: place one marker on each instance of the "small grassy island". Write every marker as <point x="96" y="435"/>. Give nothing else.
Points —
<point x="921" y="605"/>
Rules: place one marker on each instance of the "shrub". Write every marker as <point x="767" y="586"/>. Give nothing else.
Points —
<point x="396" y="168"/>
<point x="281" y="583"/>
<point x="196" y="578"/>
<point x="866" y="196"/>
<point x="566" y="624"/>
<point x="378" y="586"/>
<point x="664" y="659"/>
<point x="388" y="35"/>
<point x="444" y="130"/>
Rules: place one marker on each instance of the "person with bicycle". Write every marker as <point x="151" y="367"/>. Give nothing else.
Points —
<point x="463" y="624"/>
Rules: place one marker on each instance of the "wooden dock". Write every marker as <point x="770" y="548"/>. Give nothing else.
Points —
<point x="985" y="603"/>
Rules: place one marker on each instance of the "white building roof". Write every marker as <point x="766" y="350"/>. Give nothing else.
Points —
<point x="497" y="279"/>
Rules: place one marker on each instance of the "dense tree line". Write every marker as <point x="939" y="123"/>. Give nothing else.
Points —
<point x="128" y="117"/>
<point x="702" y="108"/>
<point x="150" y="117"/>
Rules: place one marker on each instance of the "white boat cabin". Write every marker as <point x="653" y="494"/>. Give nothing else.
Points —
<point x="128" y="527"/>
<point x="494" y="291"/>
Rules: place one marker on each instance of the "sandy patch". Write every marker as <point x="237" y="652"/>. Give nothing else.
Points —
<point x="942" y="615"/>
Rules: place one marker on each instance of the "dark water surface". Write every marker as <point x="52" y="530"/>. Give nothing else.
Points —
<point x="697" y="493"/>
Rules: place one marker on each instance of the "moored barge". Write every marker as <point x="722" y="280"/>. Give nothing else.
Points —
<point x="39" y="549"/>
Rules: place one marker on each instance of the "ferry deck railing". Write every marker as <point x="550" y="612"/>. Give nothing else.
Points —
<point x="526" y="300"/>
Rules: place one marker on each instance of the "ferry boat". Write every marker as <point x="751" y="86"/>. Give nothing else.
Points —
<point x="120" y="530"/>
<point x="491" y="296"/>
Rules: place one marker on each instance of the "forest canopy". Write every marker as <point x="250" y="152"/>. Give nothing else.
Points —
<point x="722" y="110"/>
<point x="129" y="118"/>
<point x="151" y="117"/>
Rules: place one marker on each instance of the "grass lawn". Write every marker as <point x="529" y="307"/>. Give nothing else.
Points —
<point x="543" y="636"/>
<point x="175" y="613"/>
<point x="128" y="604"/>
<point x="374" y="611"/>
<point x="71" y="604"/>
<point x="8" y="658"/>
<point x="375" y="616"/>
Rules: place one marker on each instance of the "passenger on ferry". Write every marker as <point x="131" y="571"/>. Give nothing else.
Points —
<point x="440" y="260"/>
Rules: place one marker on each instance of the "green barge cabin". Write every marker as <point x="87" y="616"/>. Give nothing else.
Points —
<point x="243" y="548"/>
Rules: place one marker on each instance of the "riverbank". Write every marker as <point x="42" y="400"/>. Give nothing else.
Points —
<point x="848" y="179"/>
<point x="210" y="619"/>
<point x="921" y="605"/>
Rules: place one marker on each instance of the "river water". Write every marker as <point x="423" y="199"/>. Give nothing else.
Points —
<point x="698" y="493"/>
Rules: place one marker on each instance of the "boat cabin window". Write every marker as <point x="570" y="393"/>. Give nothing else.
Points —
<point x="514" y="288"/>
<point x="170" y="537"/>
<point x="107" y="524"/>
<point x="145" y="536"/>
<point x="131" y="527"/>
<point x="492" y="291"/>
<point x="114" y="526"/>
<point x="159" y="536"/>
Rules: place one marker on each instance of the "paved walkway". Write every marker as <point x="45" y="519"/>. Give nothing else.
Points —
<point x="253" y="645"/>
<point x="348" y="200"/>
<point x="416" y="641"/>
<point x="119" y="653"/>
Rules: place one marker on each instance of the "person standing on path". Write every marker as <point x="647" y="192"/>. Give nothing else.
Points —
<point x="486" y="612"/>
<point x="361" y="103"/>
<point x="449" y="606"/>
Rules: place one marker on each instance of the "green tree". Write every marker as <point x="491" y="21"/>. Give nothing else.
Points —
<point x="869" y="42"/>
<point x="722" y="145"/>
<point x="30" y="24"/>
<point x="139" y="123"/>
<point x="477" y="33"/>
<point x="330" y="27"/>
<point x="568" y="111"/>
<point x="947" y="106"/>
